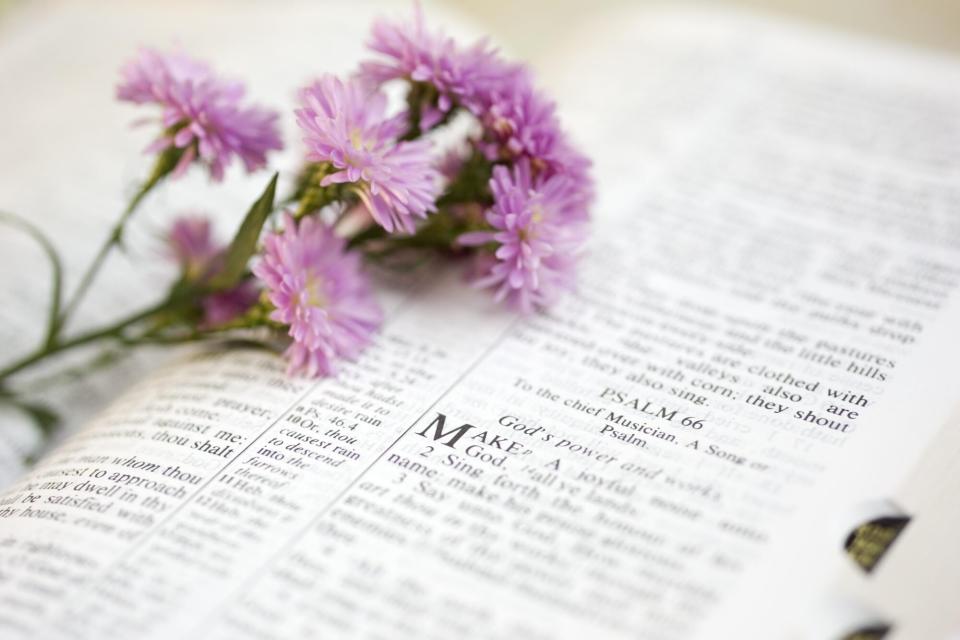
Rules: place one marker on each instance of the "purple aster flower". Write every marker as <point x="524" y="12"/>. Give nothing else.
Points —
<point x="564" y="159"/>
<point x="518" y="121"/>
<point x="201" y="113"/>
<point x="154" y="77"/>
<point x="191" y="245"/>
<point x="538" y="231"/>
<point x="319" y="290"/>
<point x="190" y="242"/>
<point x="345" y="125"/>
<point x="222" y="307"/>
<point x="521" y="122"/>
<point x="460" y="76"/>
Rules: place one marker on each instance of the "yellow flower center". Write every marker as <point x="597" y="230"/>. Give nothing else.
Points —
<point x="356" y="138"/>
<point x="538" y="214"/>
<point x="313" y="291"/>
<point x="358" y="143"/>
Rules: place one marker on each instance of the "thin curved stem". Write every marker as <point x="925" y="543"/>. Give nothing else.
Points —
<point x="56" y="287"/>
<point x="166" y="162"/>
<point x="111" y="330"/>
<point x="115" y="237"/>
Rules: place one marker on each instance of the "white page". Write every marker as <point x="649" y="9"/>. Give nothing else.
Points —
<point x="912" y="96"/>
<point x="717" y="224"/>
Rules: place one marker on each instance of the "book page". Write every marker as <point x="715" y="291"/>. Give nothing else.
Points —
<point x="864" y="144"/>
<point x="774" y="265"/>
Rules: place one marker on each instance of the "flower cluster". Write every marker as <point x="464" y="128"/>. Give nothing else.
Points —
<point x="539" y="189"/>
<point x="514" y="196"/>
<point x="438" y="67"/>
<point x="511" y="196"/>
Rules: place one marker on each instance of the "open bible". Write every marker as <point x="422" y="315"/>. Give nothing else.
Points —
<point x="718" y="434"/>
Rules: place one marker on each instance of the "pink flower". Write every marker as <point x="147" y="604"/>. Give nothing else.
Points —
<point x="461" y="77"/>
<point x="518" y="121"/>
<point x="201" y="113"/>
<point x="320" y="292"/>
<point x="539" y="227"/>
<point x="191" y="244"/>
<point x="345" y="125"/>
<point x="223" y="307"/>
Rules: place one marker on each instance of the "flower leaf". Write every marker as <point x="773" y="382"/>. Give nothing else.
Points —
<point x="245" y="242"/>
<point x="56" y="270"/>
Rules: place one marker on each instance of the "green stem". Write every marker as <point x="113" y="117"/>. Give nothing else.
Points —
<point x="420" y="96"/>
<point x="166" y="162"/>
<point x="113" y="330"/>
<point x="56" y="286"/>
<point x="115" y="237"/>
<point x="99" y="361"/>
<point x="471" y="183"/>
